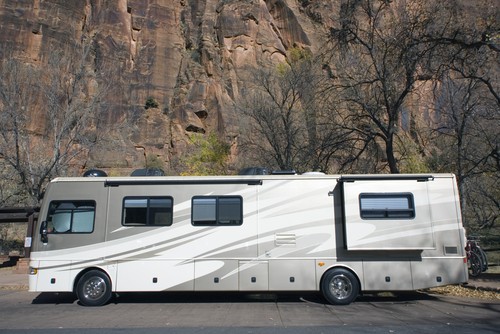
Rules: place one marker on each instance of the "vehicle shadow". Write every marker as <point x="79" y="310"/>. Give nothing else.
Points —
<point x="55" y="298"/>
<point x="232" y="297"/>
<point x="10" y="261"/>
<point x="395" y="297"/>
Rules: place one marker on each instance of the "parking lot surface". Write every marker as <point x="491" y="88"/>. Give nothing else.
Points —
<point x="416" y="312"/>
<point x="25" y="312"/>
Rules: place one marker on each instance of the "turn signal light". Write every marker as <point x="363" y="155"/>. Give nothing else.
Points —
<point x="33" y="271"/>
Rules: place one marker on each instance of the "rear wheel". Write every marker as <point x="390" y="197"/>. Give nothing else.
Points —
<point x="340" y="286"/>
<point x="94" y="288"/>
<point x="483" y="258"/>
<point x="475" y="265"/>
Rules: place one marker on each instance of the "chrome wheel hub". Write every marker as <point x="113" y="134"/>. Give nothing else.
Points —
<point x="94" y="288"/>
<point x="341" y="287"/>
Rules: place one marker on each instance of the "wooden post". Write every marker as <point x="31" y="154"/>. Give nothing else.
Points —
<point x="29" y="235"/>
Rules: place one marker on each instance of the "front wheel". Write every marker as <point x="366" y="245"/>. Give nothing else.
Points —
<point x="94" y="288"/>
<point x="340" y="286"/>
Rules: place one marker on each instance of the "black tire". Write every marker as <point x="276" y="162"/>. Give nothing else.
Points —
<point x="484" y="259"/>
<point x="339" y="286"/>
<point x="94" y="288"/>
<point x="475" y="265"/>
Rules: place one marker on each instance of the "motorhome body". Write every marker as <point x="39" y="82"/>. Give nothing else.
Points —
<point x="336" y="234"/>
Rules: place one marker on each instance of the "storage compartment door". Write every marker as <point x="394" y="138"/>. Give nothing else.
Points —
<point x="216" y="275"/>
<point x="155" y="275"/>
<point x="387" y="275"/>
<point x="253" y="276"/>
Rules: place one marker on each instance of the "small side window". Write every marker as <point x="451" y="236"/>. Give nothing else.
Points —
<point x="204" y="211"/>
<point x="147" y="211"/>
<point x="217" y="210"/>
<point x="387" y="206"/>
<point x="71" y="217"/>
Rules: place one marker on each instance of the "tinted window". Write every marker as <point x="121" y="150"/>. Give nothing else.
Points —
<point x="387" y="206"/>
<point x="147" y="211"/>
<point x="217" y="210"/>
<point x="71" y="217"/>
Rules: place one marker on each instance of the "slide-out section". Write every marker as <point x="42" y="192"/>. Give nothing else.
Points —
<point x="389" y="215"/>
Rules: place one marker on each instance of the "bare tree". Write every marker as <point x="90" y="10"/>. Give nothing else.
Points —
<point x="289" y="124"/>
<point x="380" y="55"/>
<point x="468" y="140"/>
<point x="468" y="108"/>
<point x="275" y="119"/>
<point x="49" y="116"/>
<point x="14" y="121"/>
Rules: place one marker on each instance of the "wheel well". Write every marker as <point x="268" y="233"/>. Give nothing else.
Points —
<point x="86" y="270"/>
<point x="340" y="267"/>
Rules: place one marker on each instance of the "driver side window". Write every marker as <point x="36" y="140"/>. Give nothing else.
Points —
<point x="71" y="217"/>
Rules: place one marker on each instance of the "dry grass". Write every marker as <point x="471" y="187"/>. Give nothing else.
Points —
<point x="460" y="291"/>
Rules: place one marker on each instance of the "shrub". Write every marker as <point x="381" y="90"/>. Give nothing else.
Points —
<point x="150" y="103"/>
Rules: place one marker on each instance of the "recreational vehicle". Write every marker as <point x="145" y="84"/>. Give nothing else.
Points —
<point x="340" y="235"/>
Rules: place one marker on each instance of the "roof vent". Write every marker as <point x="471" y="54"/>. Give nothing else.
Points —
<point x="284" y="172"/>
<point x="254" y="171"/>
<point x="148" y="172"/>
<point x="95" y="173"/>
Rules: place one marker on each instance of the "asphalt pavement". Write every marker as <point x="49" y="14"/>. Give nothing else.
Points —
<point x="22" y="311"/>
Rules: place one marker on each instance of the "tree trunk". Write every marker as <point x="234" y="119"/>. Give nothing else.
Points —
<point x="391" y="160"/>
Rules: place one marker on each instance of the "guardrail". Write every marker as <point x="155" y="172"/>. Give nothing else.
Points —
<point x="27" y="215"/>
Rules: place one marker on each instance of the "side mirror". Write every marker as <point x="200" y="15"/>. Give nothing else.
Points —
<point x="44" y="232"/>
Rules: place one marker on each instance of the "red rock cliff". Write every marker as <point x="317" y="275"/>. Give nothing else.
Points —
<point x="193" y="57"/>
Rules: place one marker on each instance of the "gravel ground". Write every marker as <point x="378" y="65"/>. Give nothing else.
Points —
<point x="460" y="291"/>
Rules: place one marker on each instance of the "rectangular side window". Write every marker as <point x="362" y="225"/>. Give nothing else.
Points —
<point x="147" y="211"/>
<point x="387" y="206"/>
<point x="217" y="210"/>
<point x="71" y="217"/>
<point x="204" y="211"/>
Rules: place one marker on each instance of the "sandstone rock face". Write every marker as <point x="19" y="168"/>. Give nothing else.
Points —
<point x="193" y="57"/>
